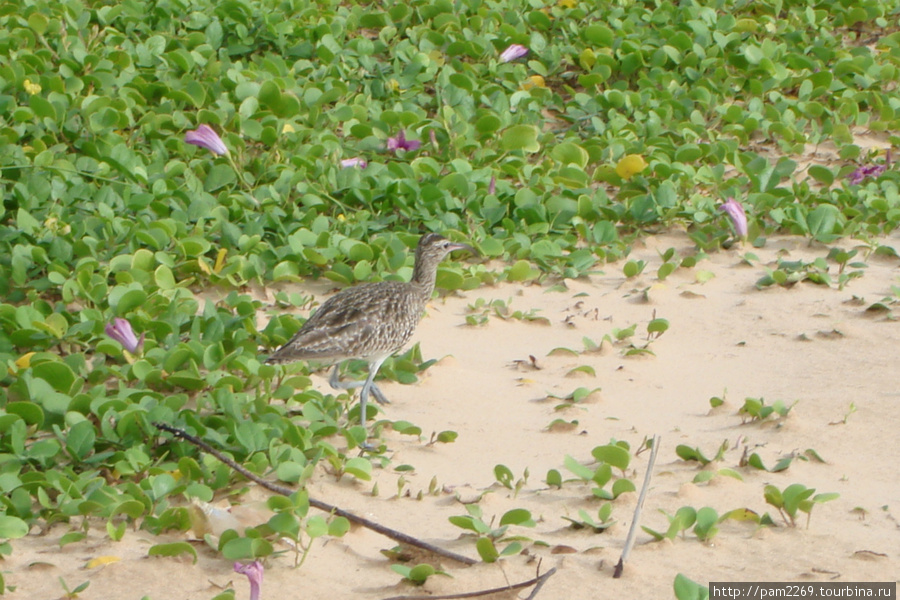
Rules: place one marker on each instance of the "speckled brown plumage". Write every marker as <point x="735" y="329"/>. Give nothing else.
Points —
<point x="369" y="321"/>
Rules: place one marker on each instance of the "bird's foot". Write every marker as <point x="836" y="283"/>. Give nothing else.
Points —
<point x="380" y="398"/>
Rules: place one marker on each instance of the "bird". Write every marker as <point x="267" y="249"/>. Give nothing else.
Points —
<point x="369" y="321"/>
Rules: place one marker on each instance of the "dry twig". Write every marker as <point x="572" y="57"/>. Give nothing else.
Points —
<point x="538" y="582"/>
<point x="395" y="535"/>
<point x="629" y="541"/>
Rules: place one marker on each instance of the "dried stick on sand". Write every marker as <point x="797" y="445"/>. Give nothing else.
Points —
<point x="629" y="541"/>
<point x="538" y="582"/>
<point x="395" y="535"/>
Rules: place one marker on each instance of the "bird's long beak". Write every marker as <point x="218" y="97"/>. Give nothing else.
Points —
<point x="460" y="246"/>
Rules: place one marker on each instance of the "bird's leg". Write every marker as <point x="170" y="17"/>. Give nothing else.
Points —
<point x="335" y="382"/>
<point x="369" y="384"/>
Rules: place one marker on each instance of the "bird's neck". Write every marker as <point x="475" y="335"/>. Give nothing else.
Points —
<point x="423" y="278"/>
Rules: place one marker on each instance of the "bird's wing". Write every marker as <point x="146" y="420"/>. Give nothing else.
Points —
<point x="345" y="326"/>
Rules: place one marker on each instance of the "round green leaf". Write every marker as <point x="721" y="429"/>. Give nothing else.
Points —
<point x="520" y="137"/>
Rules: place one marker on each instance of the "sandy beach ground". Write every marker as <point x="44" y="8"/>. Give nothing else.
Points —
<point x="815" y="348"/>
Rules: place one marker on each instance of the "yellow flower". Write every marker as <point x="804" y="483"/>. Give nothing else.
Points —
<point x="394" y="85"/>
<point x="220" y="259"/>
<point x="31" y="88"/>
<point x="631" y="165"/>
<point x="534" y="81"/>
<point x="566" y="3"/>
<point x="287" y="128"/>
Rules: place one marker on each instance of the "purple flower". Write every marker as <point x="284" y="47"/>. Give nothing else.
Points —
<point x="254" y="572"/>
<point x="735" y="211"/>
<point x="399" y="142"/>
<point x="354" y="162"/>
<point x="857" y="176"/>
<point x="861" y="173"/>
<point x="513" y="52"/>
<point x="121" y="331"/>
<point x="205" y="137"/>
<point x="492" y="186"/>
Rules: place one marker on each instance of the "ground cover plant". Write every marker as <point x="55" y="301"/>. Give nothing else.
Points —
<point x="161" y="163"/>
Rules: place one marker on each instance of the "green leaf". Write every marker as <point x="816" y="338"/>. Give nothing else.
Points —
<point x="12" y="528"/>
<point x="554" y="478"/>
<point x="822" y="221"/>
<point x="420" y="573"/>
<point x="520" y="137"/>
<point x="80" y="439"/>
<point x="173" y="549"/>
<point x="614" y="455"/>
<point x="503" y="475"/>
<point x="578" y="469"/>
<point x="517" y="516"/>
<point x="486" y="550"/>
<point x="570" y="153"/>
<point x="359" y="467"/>
<point x="521" y="271"/>
<point x="686" y="589"/>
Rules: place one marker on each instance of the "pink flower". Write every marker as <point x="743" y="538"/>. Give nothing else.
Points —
<point x="254" y="572"/>
<point x="348" y="163"/>
<point x="513" y="52"/>
<point x="399" y="142"/>
<point x="205" y="137"/>
<point x="735" y="211"/>
<point x="492" y="186"/>
<point x="121" y="331"/>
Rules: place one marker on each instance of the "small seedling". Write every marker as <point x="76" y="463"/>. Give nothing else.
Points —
<point x="708" y="475"/>
<point x="481" y="310"/>
<point x="504" y="477"/>
<point x="609" y="456"/>
<point x="489" y="537"/>
<point x="72" y="594"/>
<point x="756" y="409"/>
<point x="575" y="397"/>
<point x="795" y="498"/>
<point x="790" y="272"/>
<point x="444" y="437"/>
<point x="687" y="453"/>
<point x="842" y="258"/>
<point x="586" y="521"/>
<point x="680" y="522"/>
<point x="705" y="522"/>
<point x="847" y="414"/>
<point x="633" y="268"/>
<point x="418" y="574"/>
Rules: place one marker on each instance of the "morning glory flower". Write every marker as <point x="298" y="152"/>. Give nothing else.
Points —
<point x="857" y="176"/>
<point x="354" y="162"/>
<point x="254" y="572"/>
<point x="513" y="52"/>
<point x="205" y="137"/>
<point x="399" y="142"/>
<point x="121" y="331"/>
<point x="735" y="211"/>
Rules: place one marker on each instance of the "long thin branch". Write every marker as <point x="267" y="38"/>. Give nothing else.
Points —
<point x="538" y="582"/>
<point x="629" y="541"/>
<point x="395" y="535"/>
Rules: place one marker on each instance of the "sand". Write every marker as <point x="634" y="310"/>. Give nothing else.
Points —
<point x="810" y="346"/>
